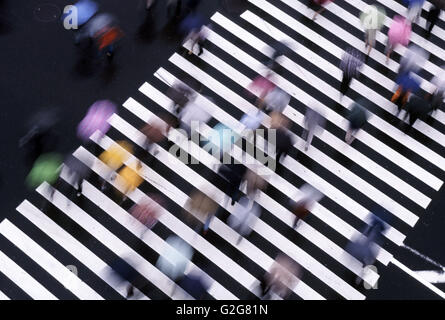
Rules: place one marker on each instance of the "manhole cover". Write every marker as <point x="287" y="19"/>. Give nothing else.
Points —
<point x="47" y="12"/>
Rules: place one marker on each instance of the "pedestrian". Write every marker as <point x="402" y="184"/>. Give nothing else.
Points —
<point x="85" y="10"/>
<point x="350" y="64"/>
<point x="438" y="94"/>
<point x="197" y="38"/>
<point x="174" y="259"/>
<point x="233" y="174"/>
<point x="194" y="285"/>
<point x="96" y="119"/>
<point x="125" y="273"/>
<point x="302" y="207"/>
<point x="357" y="119"/>
<point x="114" y="157"/>
<point x="318" y="6"/>
<point x="281" y="48"/>
<point x="417" y="108"/>
<point x="276" y="100"/>
<point x="260" y="87"/>
<point x="399" y="33"/>
<point x="192" y="116"/>
<point x="77" y="171"/>
<point x="413" y="60"/>
<point x="180" y="94"/>
<point x="281" y="278"/>
<point x="105" y="32"/>
<point x="147" y="211"/>
<point x="129" y="178"/>
<point x="284" y="142"/>
<point x="313" y="121"/>
<point x="433" y="15"/>
<point x="408" y="83"/>
<point x="372" y="20"/>
<point x="414" y="9"/>
<point x="202" y="207"/>
<point x="243" y="217"/>
<point x="155" y="132"/>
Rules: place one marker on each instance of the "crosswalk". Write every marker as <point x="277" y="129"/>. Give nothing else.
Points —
<point x="384" y="166"/>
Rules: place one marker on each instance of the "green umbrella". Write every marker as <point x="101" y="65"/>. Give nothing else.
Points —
<point x="373" y="17"/>
<point x="46" y="168"/>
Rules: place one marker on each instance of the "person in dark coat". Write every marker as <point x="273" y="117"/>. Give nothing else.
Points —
<point x="433" y="15"/>
<point x="194" y="286"/>
<point x="357" y="119"/>
<point x="351" y="63"/>
<point x="417" y="108"/>
<point x="234" y="174"/>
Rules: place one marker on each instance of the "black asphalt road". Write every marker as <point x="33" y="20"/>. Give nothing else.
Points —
<point x="41" y="67"/>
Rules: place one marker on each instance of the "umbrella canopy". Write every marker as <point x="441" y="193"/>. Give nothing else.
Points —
<point x="373" y="17"/>
<point x="411" y="3"/>
<point x="399" y="31"/>
<point x="409" y="82"/>
<point x="418" y="106"/>
<point x="96" y="119"/>
<point x="193" y="21"/>
<point x="174" y="260"/>
<point x="114" y="156"/>
<point x="46" y="168"/>
<point x="222" y="137"/>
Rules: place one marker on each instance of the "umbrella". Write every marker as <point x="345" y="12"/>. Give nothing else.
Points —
<point x="411" y="3"/>
<point x="193" y="21"/>
<point x="417" y="106"/>
<point x="409" y="82"/>
<point x="96" y="119"/>
<point x="399" y="31"/>
<point x="373" y="17"/>
<point x="222" y="137"/>
<point x="439" y="4"/>
<point x="85" y="10"/>
<point x="46" y="168"/>
<point x="174" y="260"/>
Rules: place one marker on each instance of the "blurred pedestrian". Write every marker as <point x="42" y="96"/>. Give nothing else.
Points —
<point x="318" y="6"/>
<point x="433" y="15"/>
<point x="173" y="261"/>
<point x="233" y="173"/>
<point x="408" y="83"/>
<point x="77" y="171"/>
<point x="351" y="62"/>
<point x="243" y="217"/>
<point x="202" y="207"/>
<point x="417" y="108"/>
<point x="399" y="33"/>
<point x="180" y="94"/>
<point x="302" y="207"/>
<point x="276" y="100"/>
<point x="284" y="142"/>
<point x="96" y="119"/>
<point x="86" y="9"/>
<point x="194" y="285"/>
<point x="155" y="132"/>
<point x="129" y="178"/>
<point x="357" y="119"/>
<point x="372" y="19"/>
<point x="313" y="121"/>
<point x="414" y="9"/>
<point x="281" y="48"/>
<point x="125" y="273"/>
<point x="260" y="87"/>
<point x="412" y="60"/>
<point x="106" y="33"/>
<point x="438" y="94"/>
<point x="114" y="157"/>
<point x="147" y="211"/>
<point x="281" y="279"/>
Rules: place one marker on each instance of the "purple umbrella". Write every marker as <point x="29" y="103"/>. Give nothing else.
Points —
<point x="96" y="119"/>
<point x="400" y="31"/>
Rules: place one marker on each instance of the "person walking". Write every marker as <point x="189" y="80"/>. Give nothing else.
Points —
<point x="438" y="93"/>
<point x="318" y="6"/>
<point x="350" y="64"/>
<point x="202" y="207"/>
<point x="433" y="15"/>
<point x="414" y="9"/>
<point x="372" y="19"/>
<point x="417" y="108"/>
<point x="357" y="119"/>
<point x="399" y="33"/>
<point x="408" y="83"/>
<point x="313" y="121"/>
<point x="302" y="207"/>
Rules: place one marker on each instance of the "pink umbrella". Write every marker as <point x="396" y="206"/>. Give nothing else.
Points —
<point x="96" y="119"/>
<point x="400" y="31"/>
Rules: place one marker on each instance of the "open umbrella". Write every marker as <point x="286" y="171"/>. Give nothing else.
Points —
<point x="222" y="137"/>
<point x="85" y="10"/>
<point x="193" y="21"/>
<point x="411" y="3"/>
<point x="174" y="260"/>
<point x="399" y="31"/>
<point x="373" y="17"/>
<point x="409" y="82"/>
<point x="96" y="119"/>
<point x="46" y="168"/>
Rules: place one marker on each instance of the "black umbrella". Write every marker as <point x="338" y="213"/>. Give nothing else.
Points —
<point x="439" y="4"/>
<point x="418" y="107"/>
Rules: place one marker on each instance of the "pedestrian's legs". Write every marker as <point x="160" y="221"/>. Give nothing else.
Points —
<point x="350" y="135"/>
<point x="207" y="223"/>
<point x="345" y="83"/>
<point x="310" y="136"/>
<point x="431" y="19"/>
<point x="388" y="50"/>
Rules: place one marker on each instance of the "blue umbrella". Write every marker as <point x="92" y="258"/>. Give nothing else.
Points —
<point x="408" y="82"/>
<point x="410" y="3"/>
<point x="191" y="22"/>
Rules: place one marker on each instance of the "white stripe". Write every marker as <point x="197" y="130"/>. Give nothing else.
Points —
<point x="323" y="214"/>
<point x="245" y="106"/>
<point x="23" y="280"/>
<point x="137" y="228"/>
<point x="70" y="244"/>
<point x="109" y="240"/>
<point x="382" y="125"/>
<point x="197" y="180"/>
<point x="419" y="278"/>
<point x="57" y="270"/>
<point x="321" y="158"/>
<point x="432" y="276"/>
<point x="3" y="296"/>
